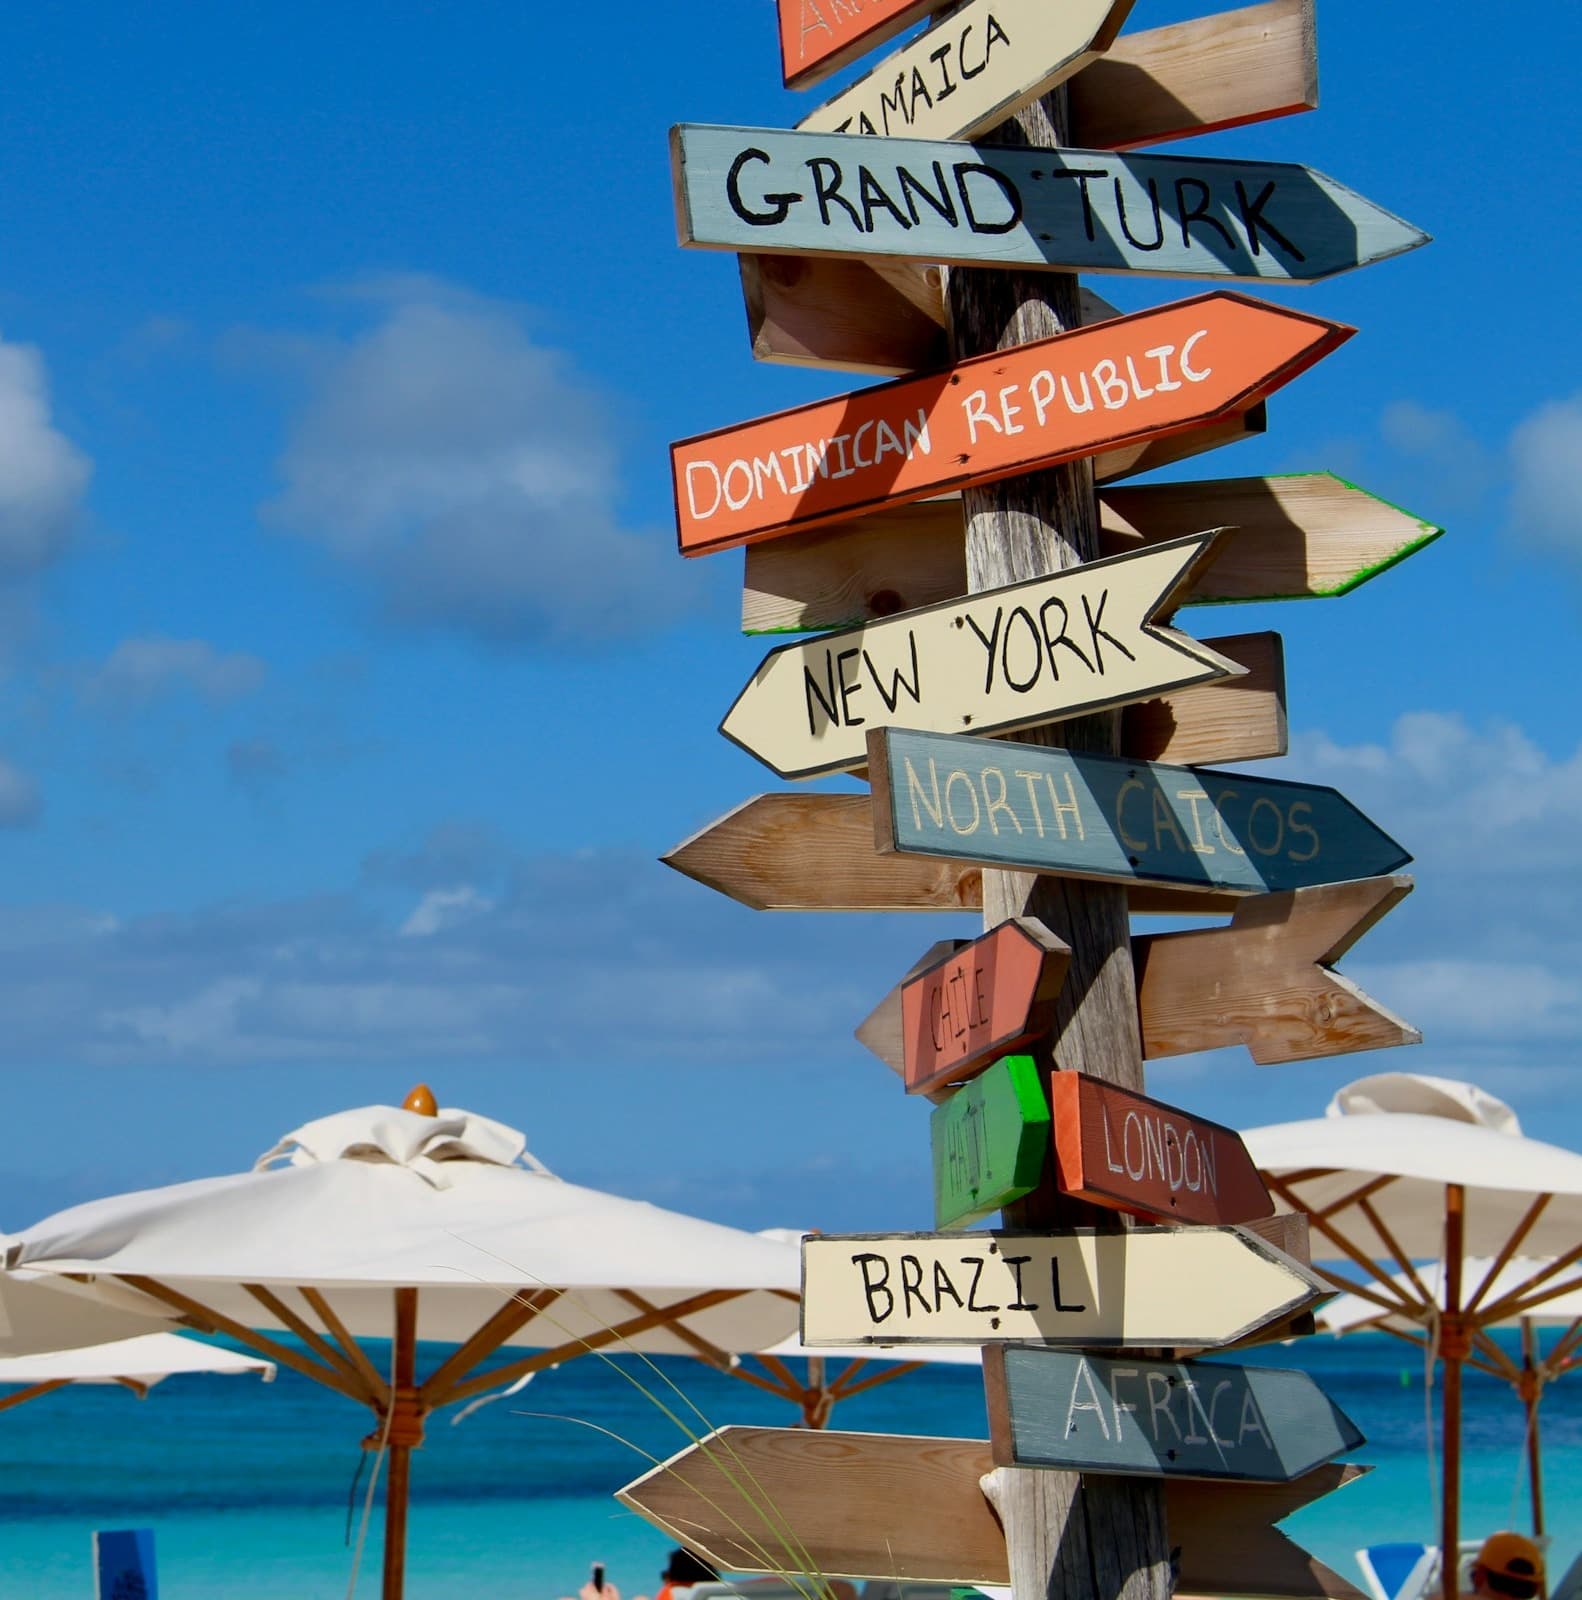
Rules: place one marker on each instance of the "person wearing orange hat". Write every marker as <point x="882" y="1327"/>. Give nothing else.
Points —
<point x="1508" y="1567"/>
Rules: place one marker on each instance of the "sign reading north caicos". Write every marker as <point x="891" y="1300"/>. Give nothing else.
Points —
<point x="1122" y="1149"/>
<point x="848" y="194"/>
<point x="1077" y="394"/>
<point x="989" y="663"/>
<point x="1088" y="816"/>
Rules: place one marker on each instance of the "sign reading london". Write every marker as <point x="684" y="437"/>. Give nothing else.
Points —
<point x="990" y="663"/>
<point x="1119" y="382"/>
<point x="1087" y="816"/>
<point x="762" y="190"/>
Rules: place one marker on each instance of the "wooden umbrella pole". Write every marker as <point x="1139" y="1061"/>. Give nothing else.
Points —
<point x="1097" y="1538"/>
<point x="1452" y="1352"/>
<point x="406" y="1432"/>
<point x="1532" y="1393"/>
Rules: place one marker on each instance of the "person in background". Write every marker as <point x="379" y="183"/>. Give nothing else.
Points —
<point x="682" y="1571"/>
<point x="1509" y="1567"/>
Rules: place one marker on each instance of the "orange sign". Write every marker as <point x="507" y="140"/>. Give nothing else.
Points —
<point x="1114" y="384"/>
<point x="819" y="36"/>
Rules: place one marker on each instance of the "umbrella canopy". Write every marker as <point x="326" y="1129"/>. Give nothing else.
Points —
<point x="136" y="1364"/>
<point x="39" y="1314"/>
<point x="1405" y="1167"/>
<point x="414" y="1223"/>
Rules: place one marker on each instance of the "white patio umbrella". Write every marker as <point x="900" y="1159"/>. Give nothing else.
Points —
<point x="1405" y="1168"/>
<point x="137" y="1364"/>
<point x="412" y="1224"/>
<point x="36" y="1317"/>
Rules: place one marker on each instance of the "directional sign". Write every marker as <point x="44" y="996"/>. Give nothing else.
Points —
<point x="814" y="852"/>
<point x="1266" y="981"/>
<point x="1121" y="1149"/>
<point x="1077" y="394"/>
<point x="994" y="206"/>
<point x="1288" y="538"/>
<point x="1201" y="1287"/>
<point x="1087" y="816"/>
<point x="977" y="66"/>
<point x="983" y="1001"/>
<point x="871" y="1505"/>
<point x="1186" y="1419"/>
<point x="990" y="1143"/>
<point x="1009" y="658"/>
<point x="817" y="37"/>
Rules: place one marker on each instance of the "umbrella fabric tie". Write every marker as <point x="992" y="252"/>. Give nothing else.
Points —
<point x="1455" y="1338"/>
<point x="1530" y="1385"/>
<point x="406" y="1415"/>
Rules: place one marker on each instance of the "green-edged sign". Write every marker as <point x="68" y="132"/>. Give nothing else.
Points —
<point x="991" y="1139"/>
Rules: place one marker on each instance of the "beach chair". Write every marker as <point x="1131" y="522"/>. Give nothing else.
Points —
<point x="1568" y="1586"/>
<point x="123" y="1565"/>
<point x="773" y="1588"/>
<point x="1399" y="1571"/>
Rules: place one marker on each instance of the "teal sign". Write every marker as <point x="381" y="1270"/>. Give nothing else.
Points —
<point x="990" y="1140"/>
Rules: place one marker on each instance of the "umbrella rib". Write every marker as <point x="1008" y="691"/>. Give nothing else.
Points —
<point x="326" y="1352"/>
<point x="354" y="1351"/>
<point x="758" y="1381"/>
<point x="217" y="1322"/>
<point x="700" y="1347"/>
<point x="1498" y="1363"/>
<point x="1402" y="1260"/>
<point x="1320" y="1220"/>
<point x="842" y="1390"/>
<point x="1559" y="1359"/>
<point x="512" y="1317"/>
<point x="1520" y="1304"/>
<point x="1509" y="1249"/>
<point x="1514" y="1299"/>
<point x="32" y="1392"/>
<point x="781" y="1371"/>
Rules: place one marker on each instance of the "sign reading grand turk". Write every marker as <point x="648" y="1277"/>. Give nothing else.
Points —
<point x="989" y="663"/>
<point x="1120" y="382"/>
<point x="846" y="194"/>
<point x="1087" y="816"/>
<point x="971" y="71"/>
<point x="818" y="37"/>
<point x="1188" y="1419"/>
<point x="1201" y="1287"/>
<point x="1126" y="1150"/>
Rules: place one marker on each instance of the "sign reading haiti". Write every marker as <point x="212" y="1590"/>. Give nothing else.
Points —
<point x="1087" y="816"/>
<point x="993" y="662"/>
<point x="1202" y="1287"/>
<point x="990" y="1143"/>
<point x="987" y="59"/>
<point x="989" y="206"/>
<point x="994" y="416"/>
<point x="1185" y="1419"/>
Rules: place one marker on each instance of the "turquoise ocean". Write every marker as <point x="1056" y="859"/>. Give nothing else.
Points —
<point x="246" y="1486"/>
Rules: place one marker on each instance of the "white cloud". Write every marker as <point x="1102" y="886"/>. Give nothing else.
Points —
<point x="470" y="476"/>
<point x="1546" y="462"/>
<point x="143" y="669"/>
<point x="43" y="475"/>
<point x="20" y="803"/>
<point x="443" y="908"/>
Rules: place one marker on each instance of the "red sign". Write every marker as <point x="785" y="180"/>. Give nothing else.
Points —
<point x="1117" y="383"/>
<point x="819" y="36"/>
<point x="1126" y="1151"/>
<point x="985" y="1001"/>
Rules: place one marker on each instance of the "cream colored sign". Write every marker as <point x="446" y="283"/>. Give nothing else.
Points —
<point x="973" y="68"/>
<point x="988" y="663"/>
<point x="1198" y="1287"/>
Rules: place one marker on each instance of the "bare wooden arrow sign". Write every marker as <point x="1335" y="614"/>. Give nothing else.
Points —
<point x="993" y="662"/>
<point x="1268" y="981"/>
<point x="1311" y="535"/>
<point x="863" y="1505"/>
<point x="976" y="66"/>
<point x="1078" y="394"/>
<point x="1202" y="1287"/>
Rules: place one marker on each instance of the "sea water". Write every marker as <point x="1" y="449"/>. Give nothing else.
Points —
<point x="247" y="1486"/>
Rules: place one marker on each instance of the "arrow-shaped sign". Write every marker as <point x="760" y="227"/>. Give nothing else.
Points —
<point x="973" y="69"/>
<point x="1202" y="1287"/>
<point x="1030" y="653"/>
<point x="1289" y="538"/>
<point x="1267" y="980"/>
<point x="818" y="37"/>
<point x="870" y="1505"/>
<point x="990" y="1143"/>
<point x="1077" y="815"/>
<point x="1121" y="382"/>
<point x="1188" y="1419"/>
<point x="971" y="205"/>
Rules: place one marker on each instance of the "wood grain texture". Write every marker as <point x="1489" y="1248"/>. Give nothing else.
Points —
<point x="1237" y="719"/>
<point x="1306" y="536"/>
<point x="895" y="1506"/>
<point x="1267" y="981"/>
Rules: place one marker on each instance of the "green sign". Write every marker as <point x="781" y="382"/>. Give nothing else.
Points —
<point x="991" y="1139"/>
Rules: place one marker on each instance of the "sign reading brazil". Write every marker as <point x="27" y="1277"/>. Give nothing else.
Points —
<point x="1087" y="816"/>
<point x="761" y="190"/>
<point x="1008" y="658"/>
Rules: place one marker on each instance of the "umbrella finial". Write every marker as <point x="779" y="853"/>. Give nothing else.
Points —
<point x="421" y="1100"/>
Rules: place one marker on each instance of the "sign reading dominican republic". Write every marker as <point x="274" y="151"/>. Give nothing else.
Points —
<point x="847" y="194"/>
<point x="1077" y="815"/>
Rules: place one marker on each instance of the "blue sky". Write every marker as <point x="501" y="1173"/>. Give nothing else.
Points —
<point x="350" y="685"/>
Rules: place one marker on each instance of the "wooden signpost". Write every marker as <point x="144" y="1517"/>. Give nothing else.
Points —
<point x="1311" y="535"/>
<point x="1188" y="1419"/>
<point x="1105" y="817"/>
<point x="868" y="1505"/>
<point x="818" y="37"/>
<point x="989" y="663"/>
<point x="990" y="1143"/>
<point x="1069" y="210"/>
<point x="1060" y="399"/>
<point x="1202" y="1287"/>
<point x="976" y="66"/>
<point x="1121" y="1149"/>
